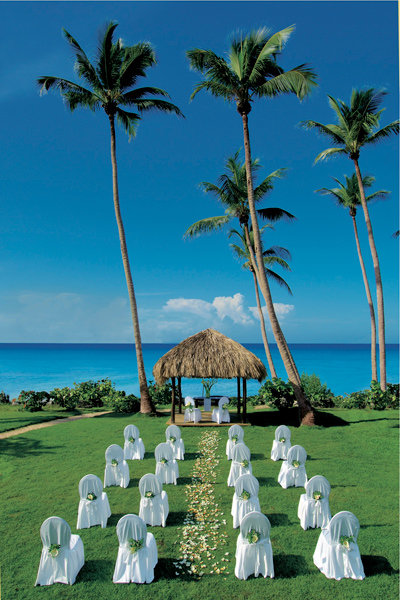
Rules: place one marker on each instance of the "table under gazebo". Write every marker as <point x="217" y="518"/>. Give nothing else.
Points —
<point x="209" y="355"/>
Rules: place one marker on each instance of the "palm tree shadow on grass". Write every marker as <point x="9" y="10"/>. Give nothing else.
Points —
<point x="98" y="570"/>
<point x="113" y="520"/>
<point x="176" y="518"/>
<point x="184" y="480"/>
<point x="290" y="417"/>
<point x="20" y="446"/>
<point x="166" y="569"/>
<point x="268" y="482"/>
<point x="279" y="520"/>
<point x="287" y="566"/>
<point x="376" y="565"/>
<point x="133" y="483"/>
<point x="190" y="456"/>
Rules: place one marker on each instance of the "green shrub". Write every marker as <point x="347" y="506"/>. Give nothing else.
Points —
<point x="4" y="398"/>
<point x="32" y="401"/>
<point x="121" y="403"/>
<point x="317" y="393"/>
<point x="393" y="390"/>
<point x="160" y="394"/>
<point x="353" y="400"/>
<point x="65" y="397"/>
<point x="276" y="392"/>
<point x="379" y="399"/>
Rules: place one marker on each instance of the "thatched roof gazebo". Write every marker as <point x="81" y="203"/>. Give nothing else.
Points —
<point x="209" y="354"/>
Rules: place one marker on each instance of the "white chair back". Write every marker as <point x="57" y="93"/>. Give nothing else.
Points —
<point x="173" y="430"/>
<point x="150" y="483"/>
<point x="282" y="432"/>
<point x="343" y="523"/>
<point x="240" y="452"/>
<point x="131" y="431"/>
<point x="257" y="521"/>
<point x="114" y="451"/>
<point x="90" y="483"/>
<point x="55" y="530"/>
<point x="131" y="526"/>
<point x="297" y="453"/>
<point x="163" y="450"/>
<point x="318" y="483"/>
<point x="236" y="430"/>
<point x="222" y="401"/>
<point x="247" y="482"/>
<point x="189" y="400"/>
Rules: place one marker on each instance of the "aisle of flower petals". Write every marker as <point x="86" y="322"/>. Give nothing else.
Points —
<point x="203" y="532"/>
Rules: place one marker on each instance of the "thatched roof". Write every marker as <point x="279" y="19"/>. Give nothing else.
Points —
<point x="209" y="354"/>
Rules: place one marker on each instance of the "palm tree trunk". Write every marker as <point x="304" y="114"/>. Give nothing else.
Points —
<point x="370" y="303"/>
<point x="263" y="331"/>
<point x="378" y="281"/>
<point x="306" y="412"/>
<point x="146" y="405"/>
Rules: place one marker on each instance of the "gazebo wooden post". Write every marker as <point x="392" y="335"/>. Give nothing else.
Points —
<point x="180" y="394"/>
<point x="238" y="396"/>
<point x="173" y="400"/>
<point x="244" y="400"/>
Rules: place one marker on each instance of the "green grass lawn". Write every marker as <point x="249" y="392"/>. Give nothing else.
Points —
<point x="12" y="418"/>
<point x="357" y="453"/>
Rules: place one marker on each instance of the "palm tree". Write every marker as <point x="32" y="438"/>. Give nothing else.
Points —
<point x="249" y="72"/>
<point x="111" y="80"/>
<point x="348" y="196"/>
<point x="275" y="255"/>
<point x="357" y="126"/>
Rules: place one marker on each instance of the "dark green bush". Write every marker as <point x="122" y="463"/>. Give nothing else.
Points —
<point x="65" y="397"/>
<point x="276" y="392"/>
<point x="353" y="400"/>
<point x="317" y="393"/>
<point x="33" y="401"/>
<point x="92" y="394"/>
<point x="379" y="399"/>
<point x="160" y="394"/>
<point x="4" y="398"/>
<point x="122" y="403"/>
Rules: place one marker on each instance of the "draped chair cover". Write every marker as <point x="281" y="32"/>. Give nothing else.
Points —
<point x="280" y="449"/>
<point x="138" y="566"/>
<point x="331" y="557"/>
<point x="289" y="475"/>
<point x="193" y="415"/>
<point x="92" y="512"/>
<point x="153" y="511"/>
<point x="254" y="558"/>
<point x="240" y="506"/>
<point x="221" y="415"/>
<point x="311" y="512"/>
<point x="167" y="472"/>
<point x="230" y="444"/>
<point x="178" y="447"/>
<point x="119" y="474"/>
<point x="64" y="567"/>
<point x="135" y="450"/>
<point x="239" y="454"/>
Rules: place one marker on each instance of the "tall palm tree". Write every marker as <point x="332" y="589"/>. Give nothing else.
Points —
<point x="111" y="82"/>
<point x="348" y="196"/>
<point x="357" y="126"/>
<point x="273" y="256"/>
<point x="250" y="72"/>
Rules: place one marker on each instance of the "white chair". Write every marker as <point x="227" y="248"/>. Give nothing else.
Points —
<point x="137" y="552"/>
<point x="220" y="414"/>
<point x="253" y="548"/>
<point x="133" y="446"/>
<point x="313" y="510"/>
<point x="154" y="507"/>
<point x="94" y="508"/>
<point x="117" y="470"/>
<point x="167" y="467"/>
<point x="192" y="414"/>
<point x="235" y="435"/>
<point x="281" y="443"/>
<point x="62" y="554"/>
<point x="245" y="498"/>
<point x="337" y="554"/>
<point x="240" y="456"/>
<point x="174" y="439"/>
<point x="293" y="470"/>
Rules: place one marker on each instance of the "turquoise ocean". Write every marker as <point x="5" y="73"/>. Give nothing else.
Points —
<point x="343" y="367"/>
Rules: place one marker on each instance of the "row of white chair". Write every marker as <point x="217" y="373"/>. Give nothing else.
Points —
<point x="219" y="415"/>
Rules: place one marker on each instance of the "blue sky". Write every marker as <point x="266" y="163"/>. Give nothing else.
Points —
<point x="60" y="263"/>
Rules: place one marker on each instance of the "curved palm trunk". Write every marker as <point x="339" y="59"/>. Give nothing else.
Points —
<point x="370" y="303"/>
<point x="306" y="412"/>
<point x="378" y="281"/>
<point x="146" y="405"/>
<point x="263" y="331"/>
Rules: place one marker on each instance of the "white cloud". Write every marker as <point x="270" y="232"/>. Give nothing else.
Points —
<point x="281" y="311"/>
<point x="232" y="307"/>
<point x="189" y="305"/>
<point x="220" y="308"/>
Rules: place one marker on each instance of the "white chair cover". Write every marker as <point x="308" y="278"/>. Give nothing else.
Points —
<point x="167" y="472"/>
<point x="233" y="431"/>
<point x="135" y="450"/>
<point x="331" y="557"/>
<point x="116" y="475"/>
<point x="240" y="453"/>
<point x="280" y="449"/>
<point x="254" y="559"/>
<point x="193" y="415"/>
<point x="290" y="475"/>
<point x="241" y="507"/>
<point x="153" y="511"/>
<point x="178" y="447"/>
<point x="137" y="566"/>
<point x="311" y="512"/>
<point x="92" y="512"/>
<point x="220" y="415"/>
<point x="65" y="567"/>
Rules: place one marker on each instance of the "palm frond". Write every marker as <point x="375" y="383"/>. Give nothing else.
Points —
<point x="328" y="153"/>
<point x="275" y="214"/>
<point x="83" y="66"/>
<point x="278" y="251"/>
<point x="206" y="226"/>
<point x="278" y="279"/>
<point x="333" y="132"/>
<point x="299" y="81"/>
<point x="384" y="132"/>
<point x="128" y="120"/>
<point x="137" y="59"/>
<point x="148" y="104"/>
<point x="108" y="55"/>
